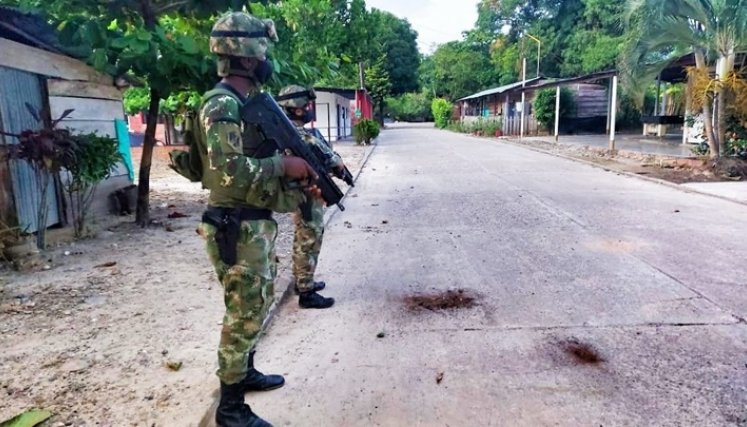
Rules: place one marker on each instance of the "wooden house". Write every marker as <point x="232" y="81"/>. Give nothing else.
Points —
<point x="36" y="72"/>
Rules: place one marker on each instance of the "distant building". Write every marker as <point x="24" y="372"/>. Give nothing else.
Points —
<point x="504" y="103"/>
<point x="338" y="110"/>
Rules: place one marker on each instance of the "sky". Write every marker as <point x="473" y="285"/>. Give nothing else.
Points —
<point x="436" y="21"/>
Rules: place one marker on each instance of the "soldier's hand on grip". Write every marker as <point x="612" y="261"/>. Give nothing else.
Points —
<point x="298" y="168"/>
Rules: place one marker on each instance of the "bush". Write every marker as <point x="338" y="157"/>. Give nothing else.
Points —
<point x="95" y="158"/>
<point x="737" y="148"/>
<point x="410" y="107"/>
<point x="456" y="126"/>
<point x="441" y="112"/>
<point x="483" y="127"/>
<point x="365" y="131"/>
<point x="8" y="237"/>
<point x="544" y="106"/>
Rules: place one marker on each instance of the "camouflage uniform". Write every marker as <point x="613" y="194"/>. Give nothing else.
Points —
<point x="307" y="240"/>
<point x="236" y="178"/>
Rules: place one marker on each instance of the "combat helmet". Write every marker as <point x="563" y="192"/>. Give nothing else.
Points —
<point x="295" y="96"/>
<point x="243" y="35"/>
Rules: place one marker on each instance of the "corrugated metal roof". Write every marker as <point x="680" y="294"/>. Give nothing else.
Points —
<point x="500" y="89"/>
<point x="31" y="29"/>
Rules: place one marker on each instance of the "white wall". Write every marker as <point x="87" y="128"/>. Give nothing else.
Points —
<point x="333" y="117"/>
<point x="95" y="107"/>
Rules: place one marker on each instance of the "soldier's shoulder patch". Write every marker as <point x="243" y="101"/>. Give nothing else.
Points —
<point x="221" y="108"/>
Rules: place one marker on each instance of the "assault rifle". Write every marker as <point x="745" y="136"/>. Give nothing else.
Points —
<point x="343" y="174"/>
<point x="263" y="112"/>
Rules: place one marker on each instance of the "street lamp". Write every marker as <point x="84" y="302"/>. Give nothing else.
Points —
<point x="539" y="49"/>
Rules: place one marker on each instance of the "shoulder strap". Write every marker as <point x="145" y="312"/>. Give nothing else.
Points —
<point x="217" y="92"/>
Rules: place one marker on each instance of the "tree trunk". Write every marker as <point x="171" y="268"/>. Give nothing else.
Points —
<point x="142" y="213"/>
<point x="41" y="215"/>
<point x="700" y="63"/>
<point x="381" y="113"/>
<point x="167" y="129"/>
<point x="725" y="66"/>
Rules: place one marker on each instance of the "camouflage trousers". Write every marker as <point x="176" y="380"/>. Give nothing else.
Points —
<point x="307" y="243"/>
<point x="248" y="292"/>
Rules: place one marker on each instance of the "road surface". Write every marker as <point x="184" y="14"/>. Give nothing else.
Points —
<point x="600" y="299"/>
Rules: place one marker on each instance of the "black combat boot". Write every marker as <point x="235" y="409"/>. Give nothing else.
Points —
<point x="257" y="381"/>
<point x="233" y="412"/>
<point x="318" y="286"/>
<point x="311" y="299"/>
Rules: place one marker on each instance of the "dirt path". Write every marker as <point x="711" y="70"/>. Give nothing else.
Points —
<point x="94" y="338"/>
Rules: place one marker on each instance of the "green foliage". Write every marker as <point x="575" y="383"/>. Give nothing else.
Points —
<point x="357" y="35"/>
<point x="136" y="100"/>
<point x="307" y="30"/>
<point x="27" y="419"/>
<point x="441" y="109"/>
<point x="701" y="149"/>
<point x="544" y="106"/>
<point x="379" y="84"/>
<point x="410" y="107"/>
<point x="461" y="69"/>
<point x="95" y="158"/>
<point x="481" y="127"/>
<point x="8" y="237"/>
<point x="365" y="131"/>
<point x="736" y="148"/>
<point x="395" y="39"/>
<point x="658" y="32"/>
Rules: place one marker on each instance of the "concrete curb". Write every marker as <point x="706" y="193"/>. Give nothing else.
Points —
<point x="611" y="169"/>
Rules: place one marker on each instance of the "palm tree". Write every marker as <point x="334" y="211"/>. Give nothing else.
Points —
<point x="660" y="31"/>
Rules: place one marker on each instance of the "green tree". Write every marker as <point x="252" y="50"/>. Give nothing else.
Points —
<point x="379" y="85"/>
<point x="595" y="41"/>
<point x="306" y="28"/>
<point x="461" y="69"/>
<point x="159" y="43"/>
<point x="396" y="39"/>
<point x="714" y="30"/>
<point x="410" y="107"/>
<point x="544" y="106"/>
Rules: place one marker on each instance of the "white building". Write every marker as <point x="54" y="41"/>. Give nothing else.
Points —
<point x="334" y="112"/>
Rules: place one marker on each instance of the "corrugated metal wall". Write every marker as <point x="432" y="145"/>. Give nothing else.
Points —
<point x="16" y="89"/>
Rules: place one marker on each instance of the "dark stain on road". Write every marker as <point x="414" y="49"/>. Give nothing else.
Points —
<point x="448" y="300"/>
<point x="582" y="353"/>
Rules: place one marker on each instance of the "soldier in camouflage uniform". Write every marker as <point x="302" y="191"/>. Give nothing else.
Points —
<point x="309" y="218"/>
<point x="245" y="180"/>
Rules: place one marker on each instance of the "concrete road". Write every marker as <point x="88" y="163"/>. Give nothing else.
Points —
<point x="650" y="278"/>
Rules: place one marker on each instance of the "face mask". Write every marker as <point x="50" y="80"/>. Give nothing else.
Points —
<point x="263" y="72"/>
<point x="308" y="116"/>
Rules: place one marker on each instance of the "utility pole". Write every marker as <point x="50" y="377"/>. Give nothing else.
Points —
<point x="539" y="50"/>
<point x="361" y="78"/>
<point x="523" y="96"/>
<point x="613" y="115"/>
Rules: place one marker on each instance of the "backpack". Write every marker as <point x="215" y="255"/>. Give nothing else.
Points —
<point x="190" y="163"/>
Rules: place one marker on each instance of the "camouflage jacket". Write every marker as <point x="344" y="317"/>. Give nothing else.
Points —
<point x="236" y="174"/>
<point x="333" y="159"/>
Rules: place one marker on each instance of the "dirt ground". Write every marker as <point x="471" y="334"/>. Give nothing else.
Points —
<point x="96" y="336"/>
<point x="667" y="169"/>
